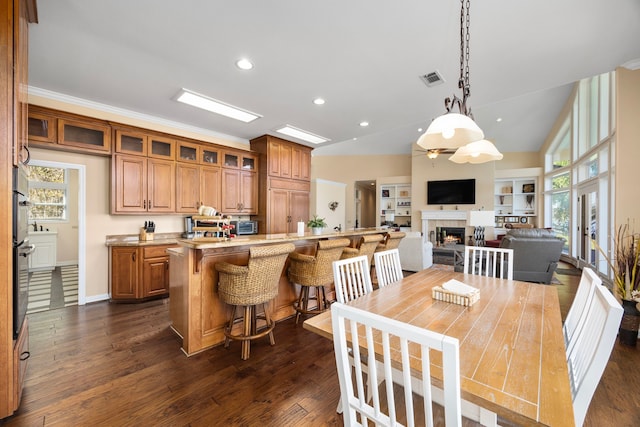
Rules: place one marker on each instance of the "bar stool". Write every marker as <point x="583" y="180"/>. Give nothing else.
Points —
<point x="315" y="271"/>
<point x="367" y="246"/>
<point x="249" y="286"/>
<point x="390" y="241"/>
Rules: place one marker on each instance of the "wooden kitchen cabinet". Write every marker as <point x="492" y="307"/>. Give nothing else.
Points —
<point x="43" y="127"/>
<point x="143" y="144"/>
<point x="197" y="186"/>
<point x="240" y="192"/>
<point x="284" y="159"/>
<point x="286" y="208"/>
<point x="139" y="273"/>
<point x="141" y="185"/>
<point x="284" y="184"/>
<point x="125" y="273"/>
<point x="85" y="135"/>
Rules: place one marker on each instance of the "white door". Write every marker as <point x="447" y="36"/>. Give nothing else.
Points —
<point x="588" y="230"/>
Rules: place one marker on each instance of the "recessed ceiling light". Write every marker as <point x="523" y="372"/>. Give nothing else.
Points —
<point x="499" y="119"/>
<point x="364" y="124"/>
<point x="419" y="129"/>
<point x="215" y="106"/>
<point x="244" y="64"/>
<point x="302" y="134"/>
<point x="318" y="101"/>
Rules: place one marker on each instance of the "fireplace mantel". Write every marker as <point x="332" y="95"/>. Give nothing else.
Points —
<point x="440" y="215"/>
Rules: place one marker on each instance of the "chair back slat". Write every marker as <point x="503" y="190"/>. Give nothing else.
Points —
<point x="577" y="314"/>
<point x="593" y="344"/>
<point x="367" y="333"/>
<point x="352" y="278"/>
<point x="388" y="268"/>
<point x="491" y="262"/>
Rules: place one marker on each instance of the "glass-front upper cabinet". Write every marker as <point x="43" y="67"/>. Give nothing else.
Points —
<point x="131" y="143"/>
<point x="187" y="152"/>
<point x="209" y="156"/>
<point x="88" y="135"/>
<point x="161" y="148"/>
<point x="246" y="162"/>
<point x="42" y="128"/>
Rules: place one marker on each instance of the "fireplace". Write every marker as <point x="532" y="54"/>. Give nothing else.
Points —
<point x="450" y="235"/>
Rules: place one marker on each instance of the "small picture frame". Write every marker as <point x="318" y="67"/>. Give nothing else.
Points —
<point x="385" y="193"/>
<point x="528" y="188"/>
<point x="404" y="193"/>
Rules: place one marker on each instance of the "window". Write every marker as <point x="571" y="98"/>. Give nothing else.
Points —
<point x="48" y="193"/>
<point x="561" y="207"/>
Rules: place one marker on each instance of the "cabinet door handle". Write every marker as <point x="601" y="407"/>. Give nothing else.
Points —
<point x="144" y="204"/>
<point x="149" y="203"/>
<point x="166" y="263"/>
<point x="25" y="355"/>
<point x="133" y="257"/>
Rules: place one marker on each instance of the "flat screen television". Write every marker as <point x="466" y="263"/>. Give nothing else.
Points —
<point x="451" y="192"/>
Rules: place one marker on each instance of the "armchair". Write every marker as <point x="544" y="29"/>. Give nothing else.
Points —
<point x="536" y="252"/>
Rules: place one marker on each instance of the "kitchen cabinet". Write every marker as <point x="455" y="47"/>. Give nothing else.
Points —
<point x="284" y="184"/>
<point x="284" y="159"/>
<point x="196" y="186"/>
<point x="143" y="144"/>
<point x="240" y="192"/>
<point x="141" y="185"/>
<point x="239" y="183"/>
<point x="44" y="255"/>
<point x="84" y="135"/>
<point x="42" y="126"/>
<point x="125" y="273"/>
<point x="286" y="208"/>
<point x="139" y="273"/>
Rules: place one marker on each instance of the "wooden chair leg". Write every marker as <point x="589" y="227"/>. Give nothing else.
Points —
<point x="267" y="318"/>
<point x="247" y="331"/>
<point x="230" y="326"/>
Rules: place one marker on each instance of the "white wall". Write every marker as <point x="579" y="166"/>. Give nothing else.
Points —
<point x="324" y="192"/>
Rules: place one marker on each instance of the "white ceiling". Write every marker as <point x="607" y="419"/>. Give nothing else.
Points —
<point x="363" y="56"/>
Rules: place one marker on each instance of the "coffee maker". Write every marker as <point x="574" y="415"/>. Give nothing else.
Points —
<point x="188" y="228"/>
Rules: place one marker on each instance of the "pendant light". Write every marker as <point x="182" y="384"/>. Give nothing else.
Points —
<point x="456" y="130"/>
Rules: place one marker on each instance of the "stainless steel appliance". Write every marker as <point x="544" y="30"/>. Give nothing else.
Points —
<point x="245" y="227"/>
<point x="21" y="247"/>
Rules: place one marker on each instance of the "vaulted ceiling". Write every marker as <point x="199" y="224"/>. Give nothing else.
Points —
<point x="364" y="57"/>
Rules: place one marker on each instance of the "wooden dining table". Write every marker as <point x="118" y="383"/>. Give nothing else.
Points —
<point x="512" y="353"/>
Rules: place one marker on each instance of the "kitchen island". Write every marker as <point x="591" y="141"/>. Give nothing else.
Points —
<point x="198" y="315"/>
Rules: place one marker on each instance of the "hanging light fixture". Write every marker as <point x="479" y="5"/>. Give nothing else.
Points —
<point x="456" y="130"/>
<point x="476" y="152"/>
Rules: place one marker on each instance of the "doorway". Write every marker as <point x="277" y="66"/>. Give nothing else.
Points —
<point x="588" y="230"/>
<point x="365" y="204"/>
<point x="66" y="284"/>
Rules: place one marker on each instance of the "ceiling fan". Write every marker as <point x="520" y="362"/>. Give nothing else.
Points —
<point x="432" y="153"/>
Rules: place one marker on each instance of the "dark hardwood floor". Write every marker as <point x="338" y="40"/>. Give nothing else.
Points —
<point x="119" y="364"/>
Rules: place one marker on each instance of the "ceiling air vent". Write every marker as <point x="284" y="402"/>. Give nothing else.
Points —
<point x="432" y="79"/>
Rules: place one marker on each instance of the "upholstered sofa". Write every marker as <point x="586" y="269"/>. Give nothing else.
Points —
<point x="415" y="253"/>
<point x="536" y="252"/>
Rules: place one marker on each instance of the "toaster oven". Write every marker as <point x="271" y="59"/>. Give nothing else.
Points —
<point x="245" y="227"/>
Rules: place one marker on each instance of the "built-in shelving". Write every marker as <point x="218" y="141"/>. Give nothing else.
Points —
<point x="395" y="202"/>
<point x="515" y="201"/>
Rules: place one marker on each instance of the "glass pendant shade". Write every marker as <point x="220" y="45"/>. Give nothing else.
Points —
<point x="451" y="130"/>
<point x="476" y="152"/>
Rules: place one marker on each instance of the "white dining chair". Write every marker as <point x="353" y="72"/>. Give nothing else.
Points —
<point x="590" y="353"/>
<point x="368" y="331"/>
<point x="352" y="278"/>
<point x="577" y="313"/>
<point x="387" y="265"/>
<point x="487" y="261"/>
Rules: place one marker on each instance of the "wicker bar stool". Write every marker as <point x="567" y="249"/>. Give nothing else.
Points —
<point x="249" y="286"/>
<point x="367" y="246"/>
<point x="390" y="241"/>
<point x="315" y="272"/>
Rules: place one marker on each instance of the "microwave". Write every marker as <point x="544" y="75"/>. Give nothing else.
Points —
<point x="245" y="227"/>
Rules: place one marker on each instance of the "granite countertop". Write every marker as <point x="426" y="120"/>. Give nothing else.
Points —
<point x="134" y="239"/>
<point x="255" y="239"/>
<point x="258" y="239"/>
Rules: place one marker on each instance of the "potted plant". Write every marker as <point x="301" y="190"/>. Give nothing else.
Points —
<point x="316" y="224"/>
<point x="626" y="280"/>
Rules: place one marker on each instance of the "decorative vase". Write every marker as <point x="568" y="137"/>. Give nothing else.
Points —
<point x="628" y="331"/>
<point x="316" y="230"/>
